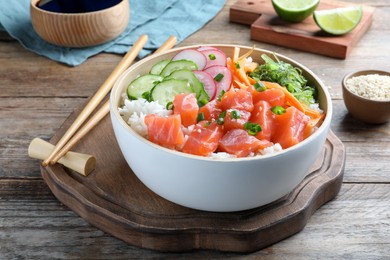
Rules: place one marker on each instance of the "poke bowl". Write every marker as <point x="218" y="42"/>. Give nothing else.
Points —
<point x="229" y="176"/>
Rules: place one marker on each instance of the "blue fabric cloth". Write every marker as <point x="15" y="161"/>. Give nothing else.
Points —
<point x="157" y="18"/>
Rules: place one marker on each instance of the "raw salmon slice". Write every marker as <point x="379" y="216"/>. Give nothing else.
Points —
<point x="263" y="116"/>
<point x="239" y="143"/>
<point x="204" y="139"/>
<point x="165" y="130"/>
<point x="211" y="110"/>
<point x="237" y="99"/>
<point x="289" y="127"/>
<point x="235" y="118"/>
<point x="274" y="96"/>
<point x="187" y="107"/>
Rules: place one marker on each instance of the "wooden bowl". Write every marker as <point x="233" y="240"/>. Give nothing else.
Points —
<point x="80" y="29"/>
<point x="364" y="109"/>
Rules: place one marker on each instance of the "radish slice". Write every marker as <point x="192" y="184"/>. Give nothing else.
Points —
<point x="214" y="57"/>
<point x="207" y="81"/>
<point x="203" y="48"/>
<point x="192" y="55"/>
<point x="225" y="82"/>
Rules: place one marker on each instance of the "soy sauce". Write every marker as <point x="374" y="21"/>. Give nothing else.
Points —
<point x="76" y="6"/>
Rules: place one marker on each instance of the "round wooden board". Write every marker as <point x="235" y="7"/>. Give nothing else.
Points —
<point x="115" y="201"/>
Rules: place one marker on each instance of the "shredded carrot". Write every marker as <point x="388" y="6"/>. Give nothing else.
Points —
<point x="247" y="54"/>
<point x="239" y="72"/>
<point x="251" y="67"/>
<point x="236" y="53"/>
<point x="314" y="121"/>
<point x="241" y="85"/>
<point x="293" y="101"/>
<point x="312" y="113"/>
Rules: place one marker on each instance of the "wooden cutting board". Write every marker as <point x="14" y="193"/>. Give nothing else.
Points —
<point x="267" y="27"/>
<point x="115" y="201"/>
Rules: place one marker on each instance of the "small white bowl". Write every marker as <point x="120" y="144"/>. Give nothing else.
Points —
<point x="220" y="185"/>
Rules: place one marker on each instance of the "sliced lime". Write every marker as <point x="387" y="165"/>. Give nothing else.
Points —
<point x="294" y="11"/>
<point x="339" y="21"/>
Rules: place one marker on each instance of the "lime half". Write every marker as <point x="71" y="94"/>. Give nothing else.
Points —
<point x="294" y="11"/>
<point x="339" y="21"/>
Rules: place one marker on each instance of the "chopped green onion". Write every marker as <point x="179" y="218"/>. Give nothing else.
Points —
<point x="220" y="95"/>
<point x="169" y="106"/>
<point x="235" y="114"/>
<point x="252" y="128"/>
<point x="200" y="117"/>
<point x="202" y="102"/>
<point x="212" y="56"/>
<point x="146" y="95"/>
<point x="237" y="65"/>
<point x="208" y="123"/>
<point x="221" y="118"/>
<point x="259" y="86"/>
<point x="219" y="77"/>
<point x="278" y="110"/>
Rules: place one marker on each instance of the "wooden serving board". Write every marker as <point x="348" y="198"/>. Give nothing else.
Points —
<point x="267" y="27"/>
<point x="115" y="201"/>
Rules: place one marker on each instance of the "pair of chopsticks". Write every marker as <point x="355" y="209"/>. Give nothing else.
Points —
<point x="70" y="138"/>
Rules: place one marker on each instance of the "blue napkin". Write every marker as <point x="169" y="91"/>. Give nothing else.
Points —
<point x="158" y="19"/>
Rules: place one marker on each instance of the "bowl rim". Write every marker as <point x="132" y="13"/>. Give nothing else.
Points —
<point x="114" y="105"/>
<point x="363" y="73"/>
<point x="33" y="4"/>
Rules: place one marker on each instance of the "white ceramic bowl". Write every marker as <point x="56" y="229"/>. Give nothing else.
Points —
<point x="220" y="185"/>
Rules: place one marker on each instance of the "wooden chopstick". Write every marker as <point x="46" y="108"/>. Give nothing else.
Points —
<point x="99" y="95"/>
<point x="101" y="113"/>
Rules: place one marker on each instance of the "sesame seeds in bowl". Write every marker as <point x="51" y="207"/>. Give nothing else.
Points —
<point x="367" y="95"/>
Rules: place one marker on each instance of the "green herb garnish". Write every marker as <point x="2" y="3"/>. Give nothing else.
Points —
<point x="287" y="76"/>
<point x="219" y="77"/>
<point x="212" y="56"/>
<point x="221" y="118"/>
<point x="220" y="95"/>
<point x="200" y="117"/>
<point x="202" y="102"/>
<point x="237" y="65"/>
<point x="235" y="114"/>
<point x="169" y="106"/>
<point x="252" y="128"/>
<point x="259" y="86"/>
<point x="146" y="95"/>
<point x="278" y="110"/>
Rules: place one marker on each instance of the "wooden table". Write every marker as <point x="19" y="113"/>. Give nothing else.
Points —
<point x="37" y="95"/>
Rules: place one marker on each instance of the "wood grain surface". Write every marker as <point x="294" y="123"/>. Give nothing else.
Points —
<point x="37" y="95"/>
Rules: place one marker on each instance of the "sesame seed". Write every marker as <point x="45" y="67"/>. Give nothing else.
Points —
<point x="372" y="86"/>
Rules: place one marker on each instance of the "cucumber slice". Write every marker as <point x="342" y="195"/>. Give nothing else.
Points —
<point x="196" y="85"/>
<point x="178" y="65"/>
<point x="142" y="84"/>
<point x="165" y="91"/>
<point x="158" y="67"/>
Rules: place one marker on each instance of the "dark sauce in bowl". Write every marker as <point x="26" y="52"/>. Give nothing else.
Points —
<point x="76" y="6"/>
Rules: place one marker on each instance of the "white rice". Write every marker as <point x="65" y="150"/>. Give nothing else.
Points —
<point x="272" y="149"/>
<point x="134" y="112"/>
